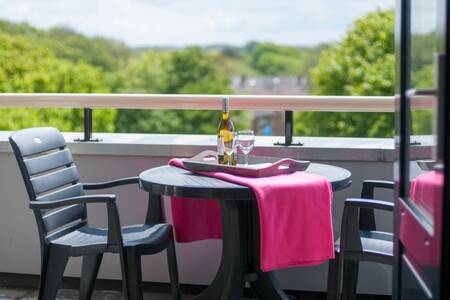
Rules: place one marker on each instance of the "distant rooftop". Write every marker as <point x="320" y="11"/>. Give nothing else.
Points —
<point x="270" y="85"/>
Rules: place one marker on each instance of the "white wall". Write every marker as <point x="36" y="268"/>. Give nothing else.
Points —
<point x="19" y="245"/>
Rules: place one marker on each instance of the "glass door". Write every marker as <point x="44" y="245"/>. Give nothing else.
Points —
<point x="420" y="218"/>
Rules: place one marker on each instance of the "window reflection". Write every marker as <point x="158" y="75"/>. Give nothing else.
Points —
<point x="426" y="183"/>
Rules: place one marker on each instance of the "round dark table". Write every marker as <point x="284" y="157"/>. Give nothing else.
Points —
<point x="240" y="225"/>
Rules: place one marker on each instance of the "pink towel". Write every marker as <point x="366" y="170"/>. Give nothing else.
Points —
<point x="196" y="219"/>
<point x="426" y="192"/>
<point x="295" y="217"/>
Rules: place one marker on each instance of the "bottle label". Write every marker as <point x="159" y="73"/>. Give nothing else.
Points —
<point x="220" y="148"/>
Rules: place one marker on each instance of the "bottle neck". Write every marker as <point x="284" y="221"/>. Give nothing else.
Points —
<point x="225" y="107"/>
<point x="225" y="115"/>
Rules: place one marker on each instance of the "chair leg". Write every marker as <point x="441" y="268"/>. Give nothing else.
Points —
<point x="173" y="271"/>
<point x="52" y="273"/>
<point x="89" y="272"/>
<point x="334" y="278"/>
<point x="131" y="274"/>
<point x="123" y="267"/>
<point x="351" y="268"/>
<point x="44" y="268"/>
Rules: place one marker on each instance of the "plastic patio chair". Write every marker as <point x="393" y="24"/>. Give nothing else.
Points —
<point x="59" y="202"/>
<point x="359" y="241"/>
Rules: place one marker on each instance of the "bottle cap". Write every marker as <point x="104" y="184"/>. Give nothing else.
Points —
<point x="225" y="104"/>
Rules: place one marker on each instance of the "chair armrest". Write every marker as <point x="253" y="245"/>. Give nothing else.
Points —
<point x="73" y="200"/>
<point x="369" y="187"/>
<point x="369" y="203"/>
<point x="351" y="221"/>
<point x="110" y="184"/>
<point x="367" y="217"/>
<point x="384" y="184"/>
<point x="114" y="228"/>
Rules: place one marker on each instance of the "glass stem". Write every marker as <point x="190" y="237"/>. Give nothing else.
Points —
<point x="246" y="159"/>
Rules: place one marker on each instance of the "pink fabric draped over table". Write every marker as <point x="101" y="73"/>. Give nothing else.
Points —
<point x="295" y="217"/>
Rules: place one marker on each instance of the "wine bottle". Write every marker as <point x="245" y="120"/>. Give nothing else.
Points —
<point x="225" y="132"/>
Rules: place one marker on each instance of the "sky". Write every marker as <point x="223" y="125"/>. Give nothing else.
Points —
<point x="197" y="22"/>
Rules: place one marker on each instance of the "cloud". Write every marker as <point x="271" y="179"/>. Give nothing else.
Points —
<point x="177" y="22"/>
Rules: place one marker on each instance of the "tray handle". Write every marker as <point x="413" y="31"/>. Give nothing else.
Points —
<point x="292" y="166"/>
<point x="207" y="153"/>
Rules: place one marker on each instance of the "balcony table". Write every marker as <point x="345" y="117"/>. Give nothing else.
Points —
<point x="240" y="225"/>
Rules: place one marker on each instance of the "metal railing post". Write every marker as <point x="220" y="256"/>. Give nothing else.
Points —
<point x="87" y="124"/>
<point x="87" y="127"/>
<point x="288" y="130"/>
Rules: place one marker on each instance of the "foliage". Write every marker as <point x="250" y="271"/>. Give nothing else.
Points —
<point x="188" y="71"/>
<point x="422" y="50"/>
<point x="27" y="68"/>
<point x="275" y="60"/>
<point x="146" y="73"/>
<point x="108" y="55"/>
<point x="61" y="60"/>
<point x="422" y="73"/>
<point x="22" y="29"/>
<point x="362" y="63"/>
<point x="191" y="71"/>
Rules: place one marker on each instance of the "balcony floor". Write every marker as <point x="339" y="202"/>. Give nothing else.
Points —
<point x="67" y="294"/>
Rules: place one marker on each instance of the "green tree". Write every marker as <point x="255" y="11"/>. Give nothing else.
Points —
<point x="107" y="54"/>
<point x="188" y="71"/>
<point x="362" y="63"/>
<point x="191" y="71"/>
<point x="27" y="68"/>
<point x="147" y="73"/>
<point x="275" y="60"/>
<point x="422" y="77"/>
<point x="271" y="59"/>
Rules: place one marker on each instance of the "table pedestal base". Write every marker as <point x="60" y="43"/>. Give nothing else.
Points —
<point x="240" y="257"/>
<point x="268" y="287"/>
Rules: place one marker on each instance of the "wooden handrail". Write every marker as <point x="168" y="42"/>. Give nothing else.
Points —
<point x="288" y="104"/>
<point x="203" y="102"/>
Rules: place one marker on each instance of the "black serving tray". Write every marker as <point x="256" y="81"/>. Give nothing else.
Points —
<point x="258" y="166"/>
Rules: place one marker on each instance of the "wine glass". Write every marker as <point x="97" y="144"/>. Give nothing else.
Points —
<point x="229" y="146"/>
<point x="245" y="142"/>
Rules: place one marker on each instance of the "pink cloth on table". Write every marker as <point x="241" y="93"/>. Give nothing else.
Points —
<point x="295" y="217"/>
<point x="196" y="219"/>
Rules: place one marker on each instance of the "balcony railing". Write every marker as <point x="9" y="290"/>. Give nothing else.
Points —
<point x="211" y="102"/>
<point x="202" y="102"/>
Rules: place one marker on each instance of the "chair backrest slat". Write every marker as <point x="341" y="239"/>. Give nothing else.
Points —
<point x="49" y="161"/>
<point x="67" y="192"/>
<point x="56" y="219"/>
<point x="37" y="140"/>
<point x="65" y="230"/>
<point x="55" y="180"/>
<point x="49" y="174"/>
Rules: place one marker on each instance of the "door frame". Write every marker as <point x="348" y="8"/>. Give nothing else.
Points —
<point x="403" y="134"/>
